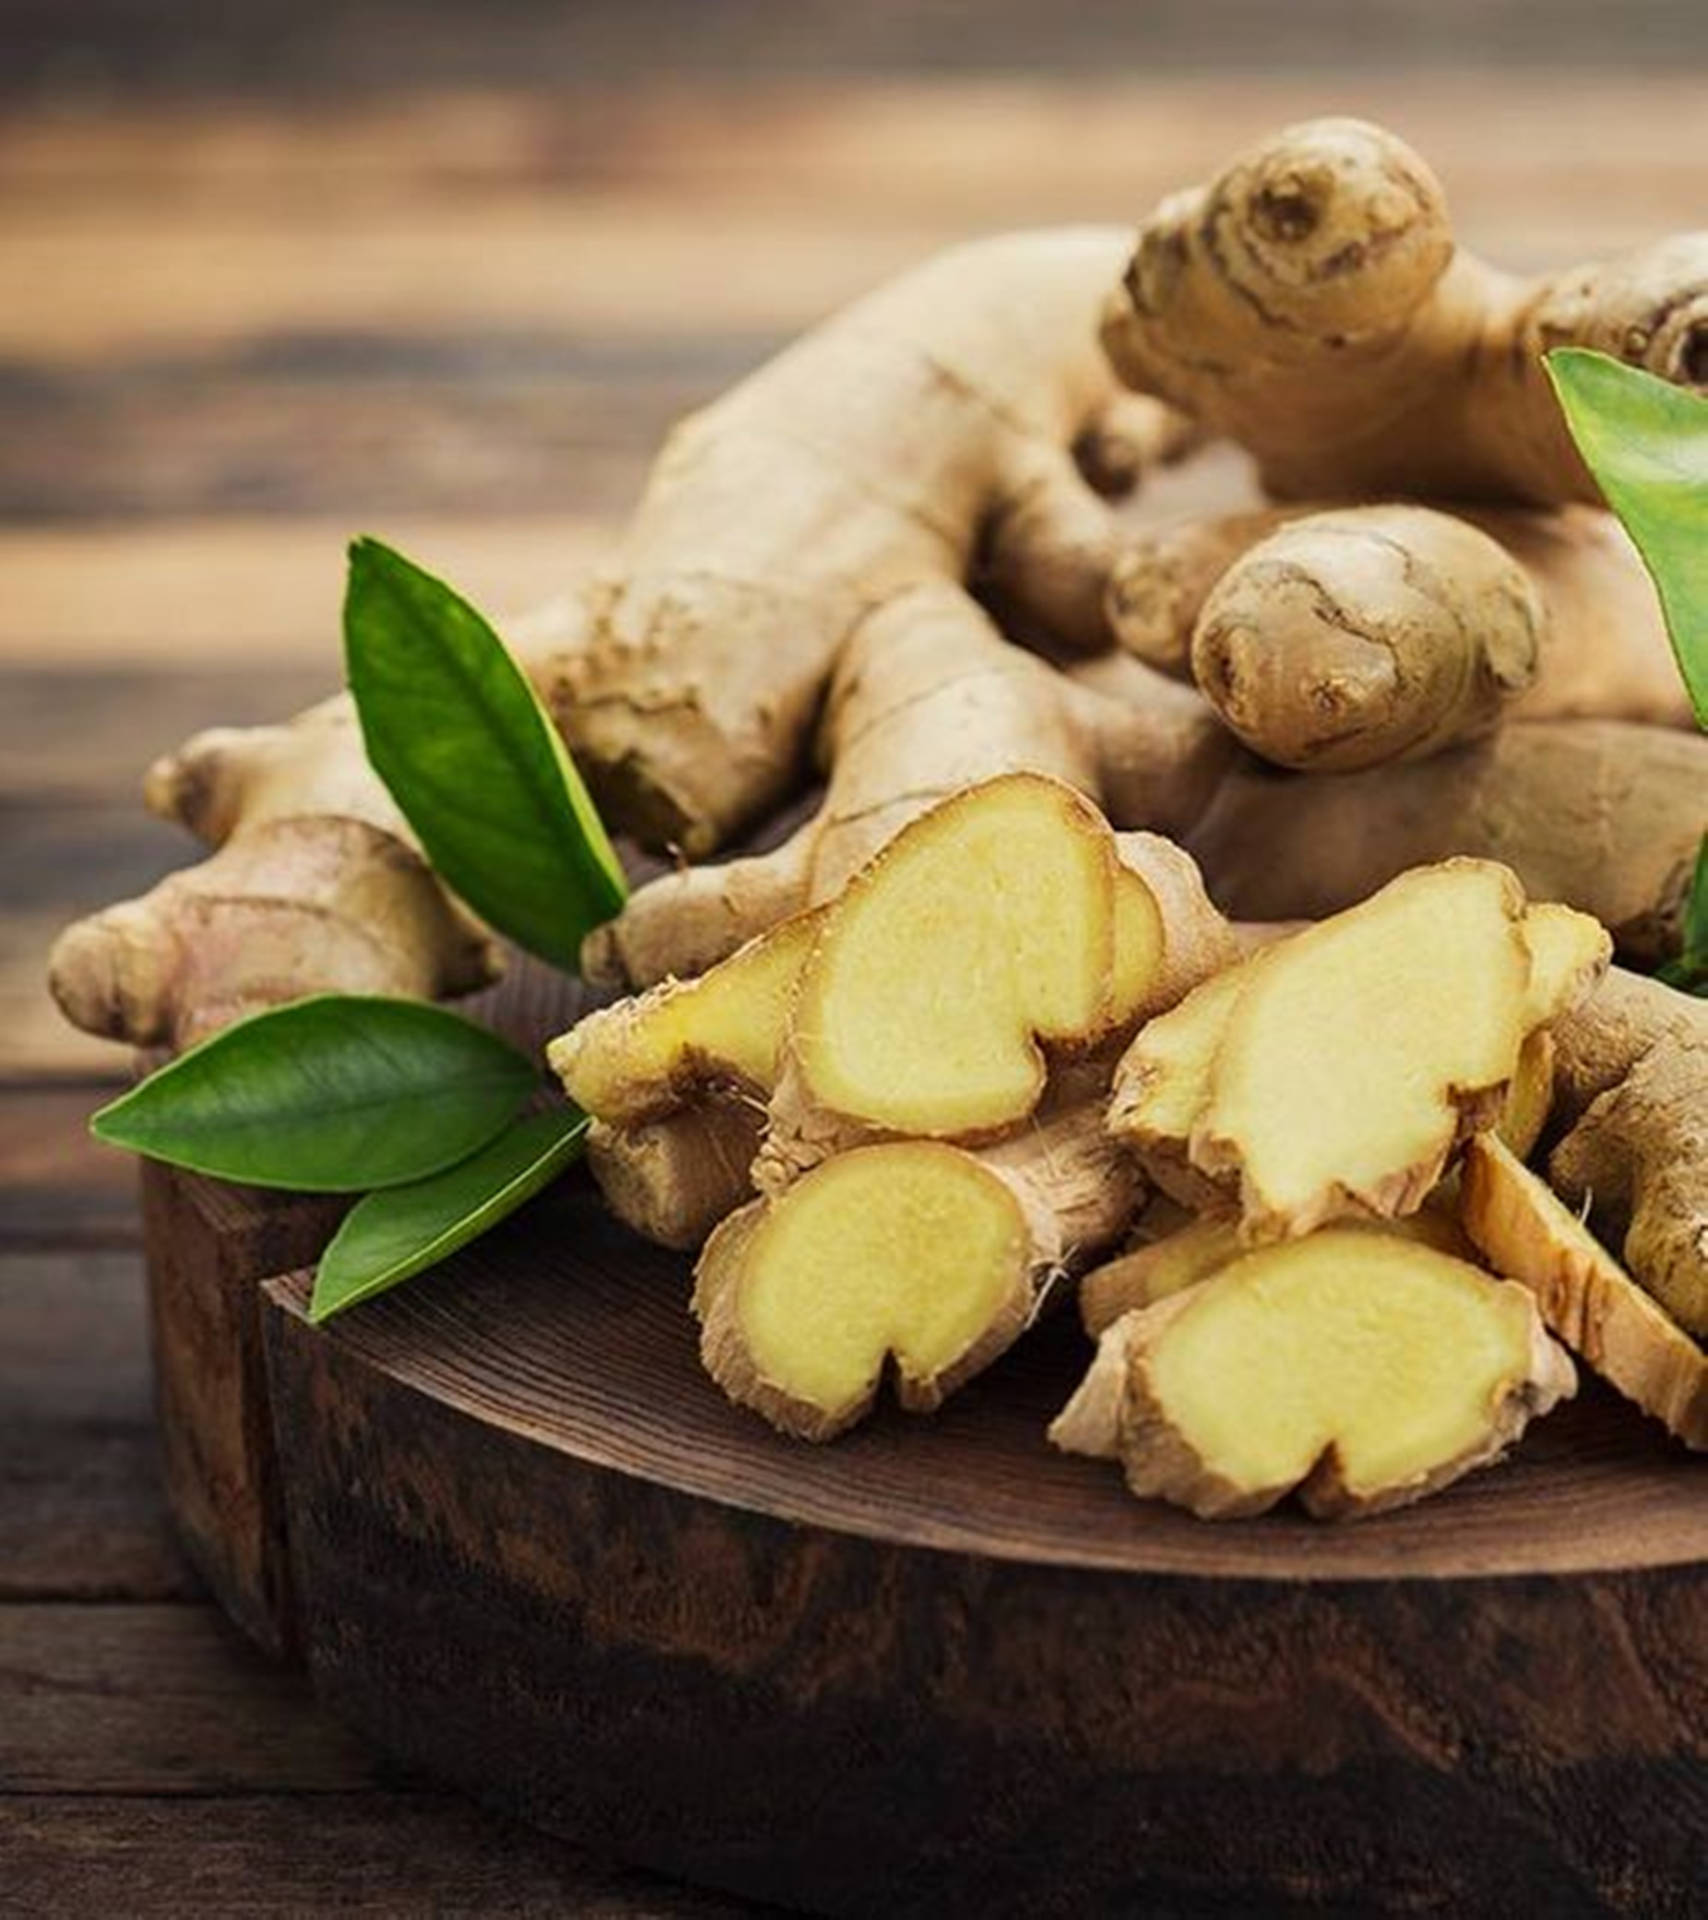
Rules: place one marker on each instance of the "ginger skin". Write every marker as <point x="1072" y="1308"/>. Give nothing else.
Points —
<point x="316" y="883"/>
<point x="1361" y="1369"/>
<point x="1601" y="814"/>
<point x="1602" y="647"/>
<point x="1632" y="1097"/>
<point x="921" y="434"/>
<point x="1310" y="303"/>
<point x="1350" y="638"/>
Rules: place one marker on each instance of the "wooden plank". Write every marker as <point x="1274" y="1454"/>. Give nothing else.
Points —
<point x="366" y="428"/>
<point x="285" y="1856"/>
<point x="82" y="1515"/>
<point x="69" y="736"/>
<point x="754" y="248"/>
<point x="158" y="1699"/>
<point x="320" y="46"/>
<point x="956" y="145"/>
<point x="58" y="1188"/>
<point x="253" y="590"/>
<point x="100" y="279"/>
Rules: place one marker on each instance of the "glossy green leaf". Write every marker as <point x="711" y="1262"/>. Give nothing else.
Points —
<point x="1646" y="442"/>
<point x="336" y="1094"/>
<point x="456" y="733"/>
<point x="389" y="1236"/>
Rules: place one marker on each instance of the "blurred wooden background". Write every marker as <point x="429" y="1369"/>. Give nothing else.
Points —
<point x="277" y="272"/>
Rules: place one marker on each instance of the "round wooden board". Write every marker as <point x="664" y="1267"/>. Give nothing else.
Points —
<point x="939" y="1667"/>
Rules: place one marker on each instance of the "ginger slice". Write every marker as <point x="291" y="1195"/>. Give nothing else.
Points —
<point x="913" y="1254"/>
<point x="983" y="933"/>
<point x="1193" y="1253"/>
<point x="1193" y="1249"/>
<point x="1334" y="1072"/>
<point x="1529" y="1094"/>
<point x="647" y="1056"/>
<point x="1526" y="1232"/>
<point x="1360" y="1369"/>
<point x="1569" y="953"/>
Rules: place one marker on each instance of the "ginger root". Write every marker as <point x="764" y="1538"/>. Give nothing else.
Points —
<point x="1310" y="303"/>
<point x="1003" y="930"/>
<point x="317" y="883"/>
<point x="912" y="1255"/>
<point x="722" y="1033"/>
<point x="1359" y="1369"/>
<point x="1601" y="814"/>
<point x="1352" y="581"/>
<point x="924" y="437"/>
<point x="1633" y="1098"/>
<point x="927" y="698"/>
<point x="1371" y="634"/>
<point x="1335" y="1072"/>
<point x="1526" y="1233"/>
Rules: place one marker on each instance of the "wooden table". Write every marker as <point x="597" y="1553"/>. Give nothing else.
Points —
<point x="248" y="312"/>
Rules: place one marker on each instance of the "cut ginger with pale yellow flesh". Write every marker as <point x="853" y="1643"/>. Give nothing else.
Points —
<point x="1006" y="922"/>
<point x="1205" y="1246"/>
<point x="1359" y="1369"/>
<point x="1334" y="1073"/>
<point x="980" y="935"/>
<point x="1527" y="1233"/>
<point x="647" y="1056"/>
<point x="913" y="1257"/>
<point x="1003" y="933"/>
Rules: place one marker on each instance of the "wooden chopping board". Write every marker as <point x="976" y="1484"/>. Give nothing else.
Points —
<point x="936" y="1666"/>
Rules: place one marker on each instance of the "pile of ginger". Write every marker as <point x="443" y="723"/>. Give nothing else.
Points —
<point x="944" y="1048"/>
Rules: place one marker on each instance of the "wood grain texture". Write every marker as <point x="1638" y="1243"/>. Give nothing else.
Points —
<point x="59" y="1190"/>
<point x="942" y="1669"/>
<point x="286" y="1855"/>
<point x="81" y="1512"/>
<point x="160" y="1699"/>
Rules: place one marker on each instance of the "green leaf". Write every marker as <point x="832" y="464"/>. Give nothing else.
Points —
<point x="335" y="1094"/>
<point x="456" y="733"/>
<point x="389" y="1236"/>
<point x="1646" y="442"/>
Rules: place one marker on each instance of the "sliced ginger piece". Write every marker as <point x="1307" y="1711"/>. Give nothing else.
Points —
<point x="1334" y="1072"/>
<point x="645" y="1057"/>
<point x="981" y="934"/>
<point x="1526" y="1232"/>
<point x="1529" y="1094"/>
<point x="1360" y="1369"/>
<point x="1569" y="952"/>
<point x="1151" y="1273"/>
<point x="913" y="1255"/>
<point x="1193" y="1249"/>
<point x="1195" y="1252"/>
